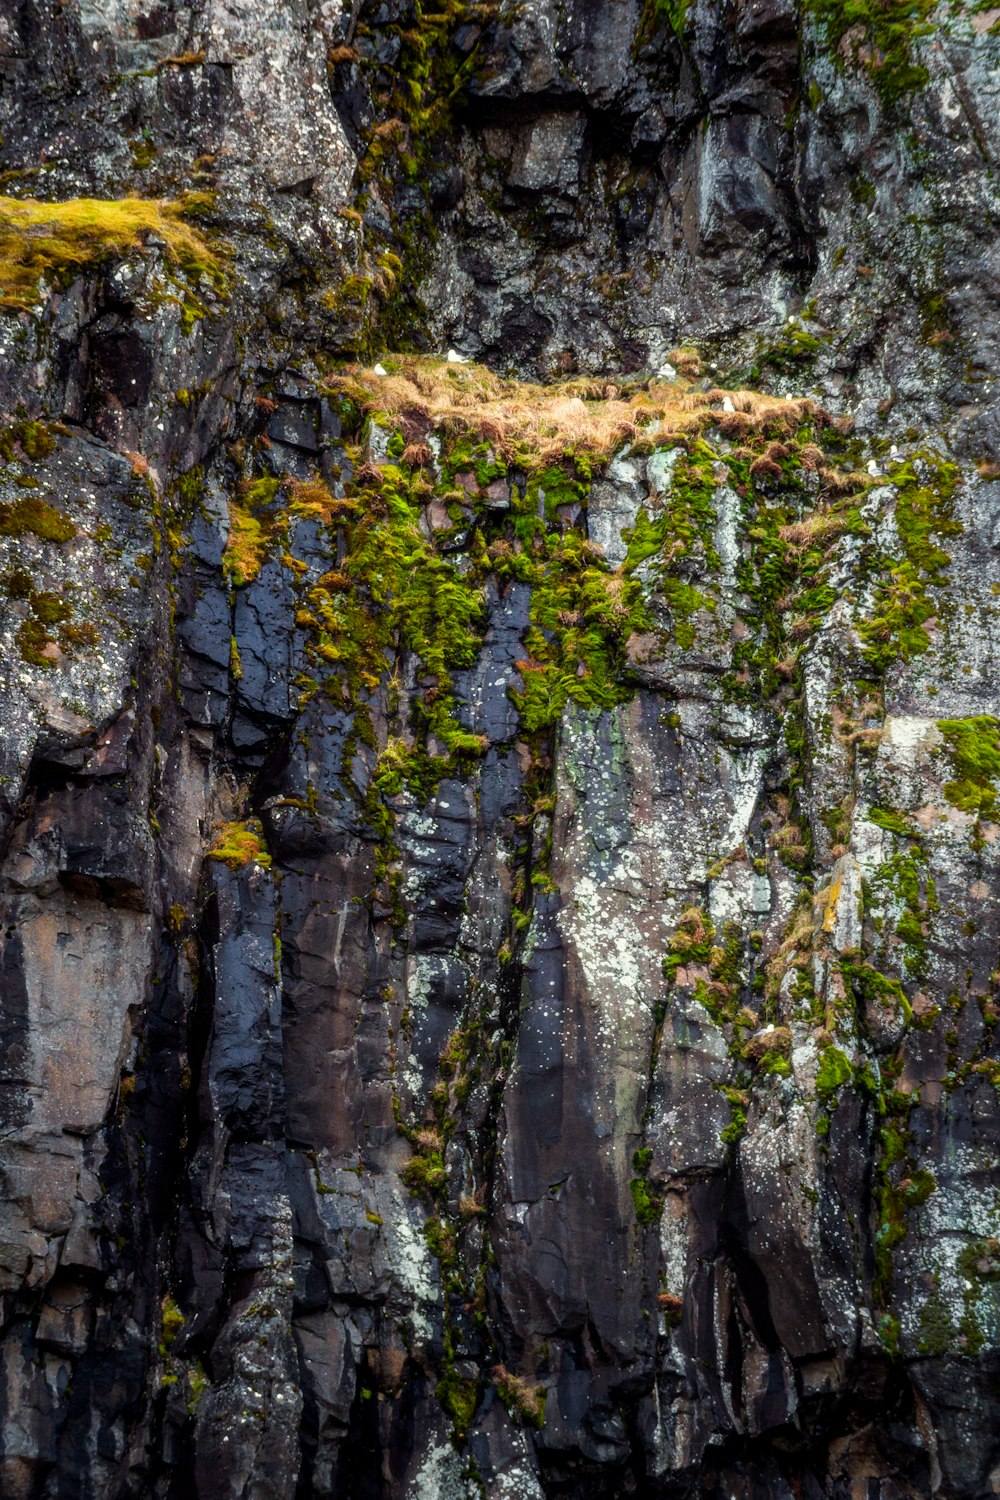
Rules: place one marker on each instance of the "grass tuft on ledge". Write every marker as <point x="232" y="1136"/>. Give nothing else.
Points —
<point x="55" y="241"/>
<point x="544" y="424"/>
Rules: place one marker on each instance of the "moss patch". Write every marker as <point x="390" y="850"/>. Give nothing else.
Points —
<point x="36" y="516"/>
<point x="239" y="844"/>
<point x="57" y="241"/>
<point x="973" y="747"/>
<point x="877" y="36"/>
<point x="912" y="590"/>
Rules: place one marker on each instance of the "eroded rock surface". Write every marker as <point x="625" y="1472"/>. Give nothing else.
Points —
<point x="499" y="964"/>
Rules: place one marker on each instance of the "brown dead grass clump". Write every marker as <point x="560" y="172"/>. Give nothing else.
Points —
<point x="836" y="482"/>
<point x="778" y="1039"/>
<point x="686" y="361"/>
<point x="814" y="531"/>
<point x="584" y="416"/>
<point x="418" y="455"/>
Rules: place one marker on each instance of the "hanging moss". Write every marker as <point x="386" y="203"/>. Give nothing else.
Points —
<point x="912" y="590"/>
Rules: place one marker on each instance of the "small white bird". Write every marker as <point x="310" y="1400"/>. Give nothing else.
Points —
<point x="454" y="358"/>
<point x="666" y="372"/>
<point x="874" y="469"/>
<point x="727" y="406"/>
<point x="894" y="451"/>
<point x="379" y="370"/>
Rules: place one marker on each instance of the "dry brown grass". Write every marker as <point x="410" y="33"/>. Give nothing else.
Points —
<point x="822" y="526"/>
<point x="778" y="1039"/>
<point x="580" y="415"/>
<point x="686" y="361"/>
<point x="418" y="455"/>
<point x="835" y="482"/>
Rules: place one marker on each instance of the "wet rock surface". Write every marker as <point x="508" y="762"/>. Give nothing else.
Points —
<point x="499" y="948"/>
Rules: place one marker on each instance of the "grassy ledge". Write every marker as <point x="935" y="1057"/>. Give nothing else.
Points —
<point x="53" y="242"/>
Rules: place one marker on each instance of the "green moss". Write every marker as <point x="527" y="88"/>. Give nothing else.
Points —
<point x="691" y="942"/>
<point x="172" y="1322"/>
<point x="36" y="516"/>
<point x="877" y="36"/>
<point x="973" y="747"/>
<point x="418" y="91"/>
<point x="899" y="1185"/>
<point x="903" y="891"/>
<point x="979" y="1261"/>
<point x="888" y="1330"/>
<point x="581" y="619"/>
<point x="239" y="844"/>
<point x="459" y="1398"/>
<point x="440" y="1236"/>
<point x="143" y="153"/>
<point x="893" y="822"/>
<point x="876" y="988"/>
<point x="198" y="1383"/>
<point x="25" y="439"/>
<point x="648" y="1205"/>
<point x="917" y="1187"/>
<point x="425" y="1174"/>
<point x="657" y="14"/>
<point x="833" y="1072"/>
<point x="793" y="347"/>
<point x="937" y="1332"/>
<point x="776" y="1063"/>
<point x="912" y="589"/>
<point x="732" y="1133"/>
<point x="393" y="589"/>
<point x="679" y="533"/>
<point x="250" y="534"/>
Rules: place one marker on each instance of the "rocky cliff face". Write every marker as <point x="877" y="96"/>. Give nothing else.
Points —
<point x="500" y="970"/>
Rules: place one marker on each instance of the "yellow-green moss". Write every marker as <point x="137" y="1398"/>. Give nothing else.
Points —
<point x="246" y="546"/>
<point x="56" y="241"/>
<point x="239" y="844"/>
<point x="37" y="516"/>
<point x="172" y="1323"/>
